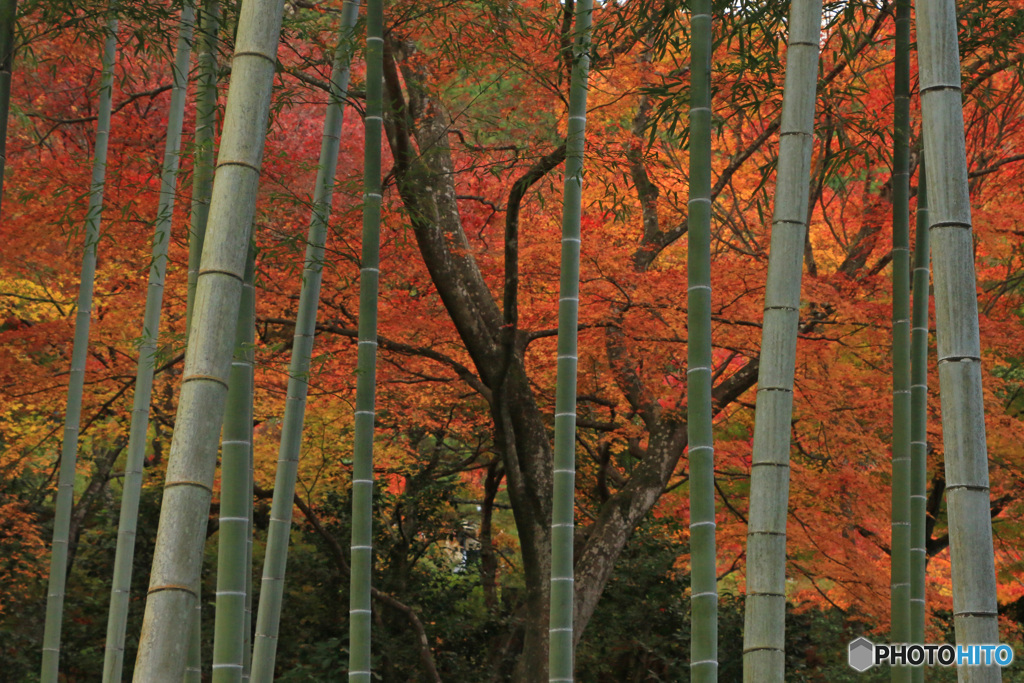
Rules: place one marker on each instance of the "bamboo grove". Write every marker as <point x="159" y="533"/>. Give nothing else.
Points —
<point x="544" y="341"/>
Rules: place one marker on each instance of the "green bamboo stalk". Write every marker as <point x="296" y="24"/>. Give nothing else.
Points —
<point x="359" y="663"/>
<point x="194" y="655"/>
<point x="181" y="535"/>
<point x="69" y="449"/>
<point x="235" y="501"/>
<point x="703" y="566"/>
<point x="121" y="589"/>
<point x="900" y="557"/>
<point x="919" y="424"/>
<point x="203" y="159"/>
<point x="275" y="562"/>
<point x="250" y="491"/>
<point x="202" y="189"/>
<point x="765" y="616"/>
<point x="959" y="344"/>
<point x="247" y="621"/>
<point x="560" y="634"/>
<point x="8" y="14"/>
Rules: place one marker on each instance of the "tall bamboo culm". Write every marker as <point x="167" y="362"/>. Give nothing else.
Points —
<point x="205" y="135"/>
<point x="919" y="423"/>
<point x="765" y="615"/>
<point x="202" y="189"/>
<point x="235" y="499"/>
<point x="72" y="420"/>
<point x="359" y="657"/>
<point x="959" y="344"/>
<point x="900" y="557"/>
<point x="8" y="13"/>
<point x="701" y="452"/>
<point x="560" y="638"/>
<point x="120" y="592"/>
<point x="181" y="534"/>
<point x="268" y="615"/>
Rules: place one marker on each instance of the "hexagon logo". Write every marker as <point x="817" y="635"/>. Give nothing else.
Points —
<point x="862" y="654"/>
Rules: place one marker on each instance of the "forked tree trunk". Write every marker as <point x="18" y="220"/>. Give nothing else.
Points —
<point x="959" y="345"/>
<point x="120" y="593"/>
<point x="235" y="501"/>
<point x="359" y="657"/>
<point x="919" y="424"/>
<point x="701" y="452"/>
<point x="561" y="643"/>
<point x="764" y="635"/>
<point x="181" y="535"/>
<point x="900" y="557"/>
<point x="72" y="420"/>
<point x="268" y="616"/>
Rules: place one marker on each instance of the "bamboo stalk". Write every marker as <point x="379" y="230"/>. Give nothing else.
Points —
<point x="959" y="343"/>
<point x="181" y="534"/>
<point x="235" y="501"/>
<point x="120" y="593"/>
<point x="699" y="423"/>
<point x="765" y="615"/>
<point x="359" y="658"/>
<point x="919" y="424"/>
<point x="268" y="616"/>
<point x="8" y="14"/>
<point x="202" y="189"/>
<point x="561" y="642"/>
<point x="900" y="558"/>
<point x="72" y="420"/>
<point x="203" y="159"/>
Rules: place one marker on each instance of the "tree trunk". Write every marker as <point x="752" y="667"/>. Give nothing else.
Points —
<point x="700" y="438"/>
<point x="275" y="561"/>
<point x="764" y="635"/>
<point x="959" y="345"/>
<point x="359" y="659"/>
<point x="72" y="420"/>
<point x="177" y="561"/>
<point x="426" y="186"/>
<point x="488" y="556"/>
<point x="120" y="593"/>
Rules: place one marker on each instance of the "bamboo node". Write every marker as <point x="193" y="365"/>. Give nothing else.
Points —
<point x="187" y="482"/>
<point x="218" y="380"/>
<point x="171" y="587"/>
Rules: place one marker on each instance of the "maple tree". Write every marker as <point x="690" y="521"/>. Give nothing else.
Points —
<point x="470" y="229"/>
